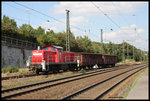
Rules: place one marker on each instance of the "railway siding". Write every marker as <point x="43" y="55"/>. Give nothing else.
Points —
<point x="65" y="89"/>
<point x="100" y="89"/>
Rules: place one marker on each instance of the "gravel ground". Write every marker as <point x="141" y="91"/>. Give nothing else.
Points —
<point x="119" y="92"/>
<point x="67" y="88"/>
<point x="94" y="92"/>
<point x="29" y="80"/>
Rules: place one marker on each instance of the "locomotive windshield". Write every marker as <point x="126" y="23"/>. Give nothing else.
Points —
<point x="53" y="48"/>
<point x="60" y="50"/>
<point x="45" y="48"/>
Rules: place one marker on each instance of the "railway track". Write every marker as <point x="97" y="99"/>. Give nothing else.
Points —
<point x="22" y="90"/>
<point x="84" y="93"/>
<point x="32" y="75"/>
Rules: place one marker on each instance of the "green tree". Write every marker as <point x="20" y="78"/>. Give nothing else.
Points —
<point x="39" y="31"/>
<point x="84" y="44"/>
<point x="27" y="30"/>
<point x="42" y="40"/>
<point x="73" y="43"/>
<point x="8" y="24"/>
<point x="51" y="37"/>
<point x="9" y="27"/>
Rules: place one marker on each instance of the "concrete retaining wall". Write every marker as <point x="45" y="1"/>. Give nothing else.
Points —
<point x="14" y="56"/>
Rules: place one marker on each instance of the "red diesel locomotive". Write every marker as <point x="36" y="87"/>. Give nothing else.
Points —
<point x="53" y="58"/>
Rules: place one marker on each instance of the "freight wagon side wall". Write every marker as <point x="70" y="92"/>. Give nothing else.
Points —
<point x="89" y="59"/>
<point x="13" y="56"/>
<point x="92" y="59"/>
<point x="109" y="60"/>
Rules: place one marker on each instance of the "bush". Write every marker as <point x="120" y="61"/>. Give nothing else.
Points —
<point x="5" y="70"/>
<point x="82" y="71"/>
<point x="10" y="69"/>
<point x="14" y="69"/>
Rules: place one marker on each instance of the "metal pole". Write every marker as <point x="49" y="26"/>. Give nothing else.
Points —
<point x="123" y="52"/>
<point x="133" y="53"/>
<point x="28" y="16"/>
<point x="141" y="55"/>
<point x="127" y="51"/>
<point x="113" y="48"/>
<point x="101" y="41"/>
<point x="67" y="31"/>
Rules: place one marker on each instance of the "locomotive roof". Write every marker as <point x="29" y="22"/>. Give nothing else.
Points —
<point x="58" y="47"/>
<point x="53" y="46"/>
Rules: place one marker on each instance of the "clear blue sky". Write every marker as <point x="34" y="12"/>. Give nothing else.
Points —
<point x="87" y="18"/>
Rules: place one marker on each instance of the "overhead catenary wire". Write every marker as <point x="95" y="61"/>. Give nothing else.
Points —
<point x="18" y="19"/>
<point x="107" y="16"/>
<point x="120" y="13"/>
<point x="48" y="16"/>
<point x="38" y="12"/>
<point x="23" y="10"/>
<point x="42" y="14"/>
<point x="52" y="17"/>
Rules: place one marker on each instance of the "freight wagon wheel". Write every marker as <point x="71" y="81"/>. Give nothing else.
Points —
<point x="89" y="67"/>
<point x="113" y="65"/>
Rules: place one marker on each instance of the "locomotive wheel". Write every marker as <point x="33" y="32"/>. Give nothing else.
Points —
<point x="37" y="71"/>
<point x="57" y="69"/>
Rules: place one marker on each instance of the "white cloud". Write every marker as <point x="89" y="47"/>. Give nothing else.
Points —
<point x="35" y="26"/>
<point x="78" y="20"/>
<point x="133" y="26"/>
<point x="87" y="8"/>
<point x="76" y="24"/>
<point x="140" y="31"/>
<point x="74" y="7"/>
<point x="124" y="33"/>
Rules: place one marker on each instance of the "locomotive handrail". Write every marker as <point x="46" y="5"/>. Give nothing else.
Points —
<point x="48" y="59"/>
<point x="69" y="58"/>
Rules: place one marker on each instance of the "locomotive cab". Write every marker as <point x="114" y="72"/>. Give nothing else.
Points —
<point x="58" y="56"/>
<point x="58" y="52"/>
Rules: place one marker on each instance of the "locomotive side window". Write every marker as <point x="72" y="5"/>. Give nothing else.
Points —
<point x="53" y="48"/>
<point x="45" y="48"/>
<point x="60" y="50"/>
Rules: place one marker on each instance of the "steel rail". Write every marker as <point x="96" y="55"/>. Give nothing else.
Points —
<point x="36" y="89"/>
<point x="22" y="76"/>
<point x="21" y="87"/>
<point x="18" y="76"/>
<point x="39" y="83"/>
<point x="93" y="85"/>
<point x="101" y="95"/>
